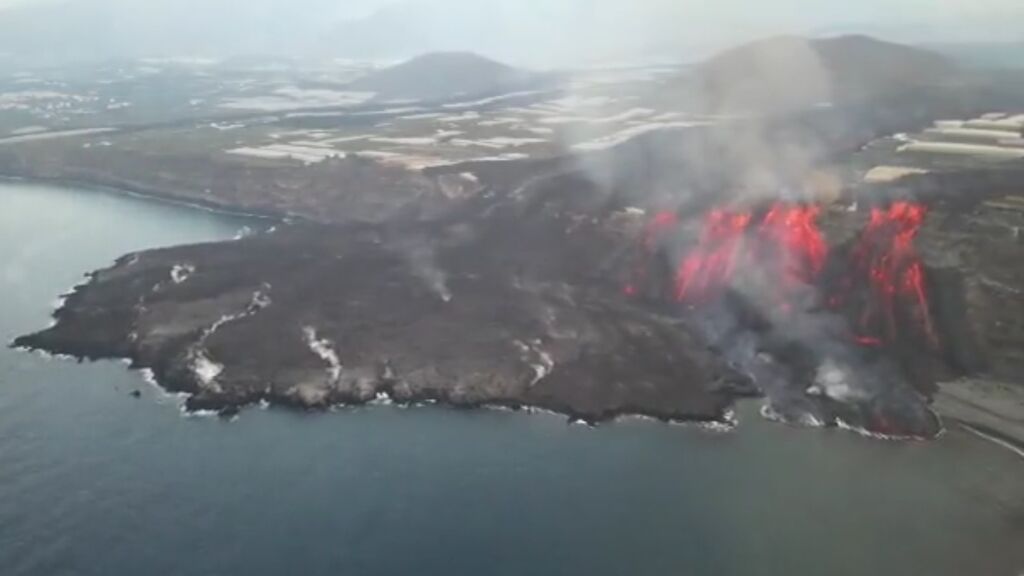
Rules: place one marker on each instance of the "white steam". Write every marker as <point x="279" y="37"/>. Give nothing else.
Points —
<point x="324" y="349"/>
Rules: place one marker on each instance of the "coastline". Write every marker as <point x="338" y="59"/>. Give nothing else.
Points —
<point x="996" y="428"/>
<point x="191" y="405"/>
<point x="697" y="409"/>
<point x="151" y="196"/>
<point x="993" y="411"/>
<point x="950" y="407"/>
<point x="726" y="422"/>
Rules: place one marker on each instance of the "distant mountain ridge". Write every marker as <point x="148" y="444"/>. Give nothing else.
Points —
<point x="1006" y="55"/>
<point x="444" y="75"/>
<point x="791" y="72"/>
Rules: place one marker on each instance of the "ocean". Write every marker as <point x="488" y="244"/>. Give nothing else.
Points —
<point x="95" y="482"/>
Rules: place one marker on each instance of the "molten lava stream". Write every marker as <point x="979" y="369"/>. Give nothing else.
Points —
<point x="794" y="233"/>
<point x="886" y="257"/>
<point x="711" y="265"/>
<point x="785" y="241"/>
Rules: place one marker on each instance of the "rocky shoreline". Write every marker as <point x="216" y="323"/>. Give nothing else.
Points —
<point x="521" y="309"/>
<point x="216" y="348"/>
<point x="511" y="284"/>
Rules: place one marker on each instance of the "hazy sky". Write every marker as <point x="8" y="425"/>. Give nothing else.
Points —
<point x="533" y="32"/>
<point x="807" y="10"/>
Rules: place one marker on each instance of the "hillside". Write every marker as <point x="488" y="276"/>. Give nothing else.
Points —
<point x="443" y="75"/>
<point x="997" y="55"/>
<point x="790" y="72"/>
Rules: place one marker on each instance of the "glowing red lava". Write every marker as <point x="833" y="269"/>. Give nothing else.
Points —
<point x="794" y="231"/>
<point x="785" y="239"/>
<point x="882" y="286"/>
<point x="886" y="257"/>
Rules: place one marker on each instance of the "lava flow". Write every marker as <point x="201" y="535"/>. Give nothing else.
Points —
<point x="882" y="286"/>
<point x="885" y="257"/>
<point x="786" y="239"/>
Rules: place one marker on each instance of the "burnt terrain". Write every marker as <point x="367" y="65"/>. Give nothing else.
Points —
<point x="667" y="275"/>
<point x="511" y="310"/>
<point x="555" y="289"/>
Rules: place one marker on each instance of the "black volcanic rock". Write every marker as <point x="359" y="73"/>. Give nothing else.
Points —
<point x="314" y="316"/>
<point x="788" y="73"/>
<point x="517" y="301"/>
<point x="443" y="75"/>
<point x="469" y="297"/>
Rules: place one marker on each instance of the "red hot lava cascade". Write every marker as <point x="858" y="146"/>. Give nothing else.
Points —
<point x="785" y="237"/>
<point x="885" y="257"/>
<point x="882" y="287"/>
